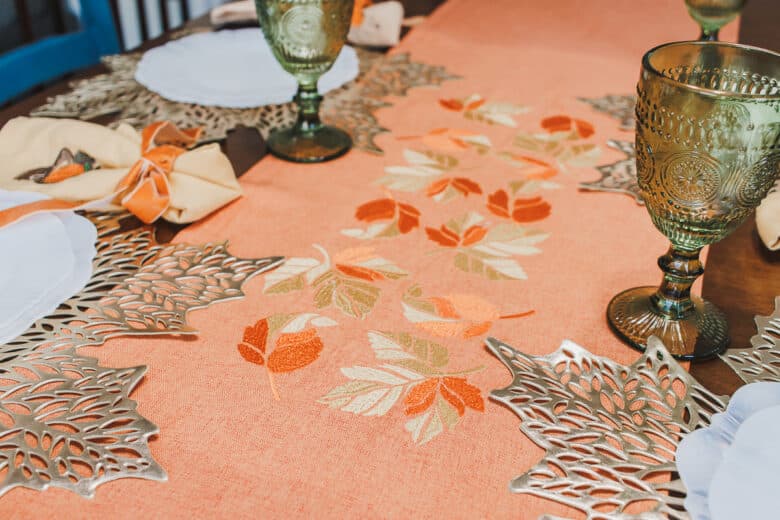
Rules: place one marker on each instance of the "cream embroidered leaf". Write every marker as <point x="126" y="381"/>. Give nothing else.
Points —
<point x="423" y="167"/>
<point x="433" y="422"/>
<point x="371" y="391"/>
<point x="290" y="276"/>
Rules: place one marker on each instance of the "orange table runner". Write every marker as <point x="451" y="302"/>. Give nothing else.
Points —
<point x="353" y="382"/>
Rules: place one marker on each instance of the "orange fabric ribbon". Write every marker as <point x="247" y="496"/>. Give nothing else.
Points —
<point x="144" y="191"/>
<point x="357" y="11"/>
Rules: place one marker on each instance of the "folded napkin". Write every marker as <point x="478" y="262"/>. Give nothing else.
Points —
<point x="768" y="219"/>
<point x="380" y="27"/>
<point x="377" y="25"/>
<point x="150" y="173"/>
<point x="233" y="12"/>
<point x="45" y="259"/>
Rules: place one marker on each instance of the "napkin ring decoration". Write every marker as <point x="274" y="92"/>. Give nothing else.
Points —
<point x="66" y="165"/>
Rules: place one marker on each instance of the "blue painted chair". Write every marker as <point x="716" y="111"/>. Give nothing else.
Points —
<point x="49" y="58"/>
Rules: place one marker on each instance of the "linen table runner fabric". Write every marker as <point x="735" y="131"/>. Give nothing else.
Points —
<point x="353" y="381"/>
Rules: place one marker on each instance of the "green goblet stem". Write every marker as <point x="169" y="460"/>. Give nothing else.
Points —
<point x="681" y="268"/>
<point x="308" y="100"/>
<point x="709" y="36"/>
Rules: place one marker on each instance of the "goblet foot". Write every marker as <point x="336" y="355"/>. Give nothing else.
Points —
<point x="702" y="333"/>
<point x="322" y="144"/>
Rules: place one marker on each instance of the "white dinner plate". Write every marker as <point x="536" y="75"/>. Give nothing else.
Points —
<point x="46" y="259"/>
<point x="234" y="69"/>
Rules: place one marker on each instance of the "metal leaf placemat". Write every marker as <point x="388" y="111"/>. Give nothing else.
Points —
<point x="621" y="107"/>
<point x="610" y="431"/>
<point x="762" y="361"/>
<point x="351" y="106"/>
<point x="65" y="421"/>
<point x="620" y="176"/>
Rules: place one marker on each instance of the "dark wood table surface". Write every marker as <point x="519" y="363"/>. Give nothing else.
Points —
<point x="742" y="277"/>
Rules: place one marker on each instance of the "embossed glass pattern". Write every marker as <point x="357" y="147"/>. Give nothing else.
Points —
<point x="708" y="151"/>
<point x="306" y="37"/>
<point x="711" y="15"/>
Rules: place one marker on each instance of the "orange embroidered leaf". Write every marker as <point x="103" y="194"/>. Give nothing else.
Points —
<point x="451" y="104"/>
<point x="437" y="187"/>
<point x="408" y="218"/>
<point x="557" y="124"/>
<point x="530" y="209"/>
<point x="473" y="235"/>
<point x="584" y="129"/>
<point x="466" y="186"/>
<point x="460" y="394"/>
<point x="477" y="329"/>
<point x="453" y="399"/>
<point x="421" y="397"/>
<point x="360" y="272"/>
<point x="443" y="236"/>
<point x="498" y="203"/>
<point x="538" y="169"/>
<point x="252" y="347"/>
<point x="475" y="104"/>
<point x="295" y="350"/>
<point x="250" y="354"/>
<point x="457" y="315"/>
<point x="379" y="209"/>
<point x="444" y="308"/>
<point x="403" y="218"/>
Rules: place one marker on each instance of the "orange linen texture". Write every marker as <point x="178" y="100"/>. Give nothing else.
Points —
<point x="255" y="413"/>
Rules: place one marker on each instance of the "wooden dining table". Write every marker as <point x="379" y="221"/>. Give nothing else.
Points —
<point x="742" y="276"/>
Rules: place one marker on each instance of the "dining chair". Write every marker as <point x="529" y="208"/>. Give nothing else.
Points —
<point x="145" y="18"/>
<point x="40" y="61"/>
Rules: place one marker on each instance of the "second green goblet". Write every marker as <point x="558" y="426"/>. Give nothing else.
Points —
<point x="711" y="15"/>
<point x="708" y="151"/>
<point x="306" y="37"/>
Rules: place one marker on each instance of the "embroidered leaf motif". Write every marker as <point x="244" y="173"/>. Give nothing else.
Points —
<point x="371" y="391"/>
<point x="487" y="252"/>
<point x="417" y="354"/>
<point x="569" y="127"/>
<point x="457" y="315"/>
<point x="413" y="375"/>
<point x="295" y="350"/>
<point x="531" y="167"/>
<point x="252" y="347"/>
<point x="562" y="140"/>
<point x="455" y="140"/>
<point x="296" y="346"/>
<point x="350" y="284"/>
<point x="348" y="281"/>
<point x="441" y="402"/>
<point x="430" y="424"/>
<point x="423" y="167"/>
<point x="524" y="209"/>
<point x="290" y="276"/>
<point x="445" y="189"/>
<point x="476" y="108"/>
<point x="386" y="218"/>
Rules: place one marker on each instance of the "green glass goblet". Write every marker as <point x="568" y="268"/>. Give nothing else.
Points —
<point x="708" y="151"/>
<point x="711" y="15"/>
<point x="306" y="37"/>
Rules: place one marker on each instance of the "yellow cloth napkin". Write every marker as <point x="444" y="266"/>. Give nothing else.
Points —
<point x="202" y="179"/>
<point x="768" y="219"/>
